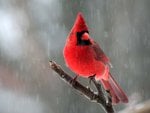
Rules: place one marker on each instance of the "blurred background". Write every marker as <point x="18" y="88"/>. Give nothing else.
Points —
<point x="32" y="32"/>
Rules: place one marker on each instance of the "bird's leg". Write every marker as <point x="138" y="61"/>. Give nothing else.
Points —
<point x="90" y="78"/>
<point x="74" y="80"/>
<point x="97" y="85"/>
<point x="101" y="92"/>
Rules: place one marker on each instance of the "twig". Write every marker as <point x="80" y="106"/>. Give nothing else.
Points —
<point x="87" y="92"/>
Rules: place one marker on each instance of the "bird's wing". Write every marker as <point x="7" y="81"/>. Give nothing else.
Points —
<point x="100" y="55"/>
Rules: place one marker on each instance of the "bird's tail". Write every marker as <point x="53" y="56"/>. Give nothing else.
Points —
<point x="116" y="92"/>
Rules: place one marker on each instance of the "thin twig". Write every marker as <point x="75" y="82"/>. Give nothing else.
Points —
<point x="87" y="92"/>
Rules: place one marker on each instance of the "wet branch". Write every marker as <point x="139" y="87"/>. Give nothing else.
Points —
<point x="87" y="92"/>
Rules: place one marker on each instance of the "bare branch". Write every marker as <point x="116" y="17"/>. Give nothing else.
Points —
<point x="87" y="92"/>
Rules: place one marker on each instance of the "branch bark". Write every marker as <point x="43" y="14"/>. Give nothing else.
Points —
<point x="87" y="92"/>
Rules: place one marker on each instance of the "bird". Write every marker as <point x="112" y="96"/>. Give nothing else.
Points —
<point x="85" y="58"/>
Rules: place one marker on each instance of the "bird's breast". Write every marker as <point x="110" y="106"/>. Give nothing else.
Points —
<point x="81" y="60"/>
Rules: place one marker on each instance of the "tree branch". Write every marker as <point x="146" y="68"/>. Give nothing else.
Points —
<point x="87" y="92"/>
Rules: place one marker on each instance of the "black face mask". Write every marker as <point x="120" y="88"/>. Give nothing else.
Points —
<point x="79" y="39"/>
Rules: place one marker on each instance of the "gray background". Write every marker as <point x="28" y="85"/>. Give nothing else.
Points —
<point x="34" y="31"/>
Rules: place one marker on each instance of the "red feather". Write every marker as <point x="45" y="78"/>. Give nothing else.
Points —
<point x="85" y="57"/>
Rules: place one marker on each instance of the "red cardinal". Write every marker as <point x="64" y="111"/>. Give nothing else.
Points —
<point x="85" y="57"/>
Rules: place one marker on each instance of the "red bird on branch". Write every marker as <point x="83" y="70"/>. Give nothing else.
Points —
<point x="85" y="57"/>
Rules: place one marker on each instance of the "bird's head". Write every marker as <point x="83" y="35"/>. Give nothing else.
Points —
<point x="79" y="34"/>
